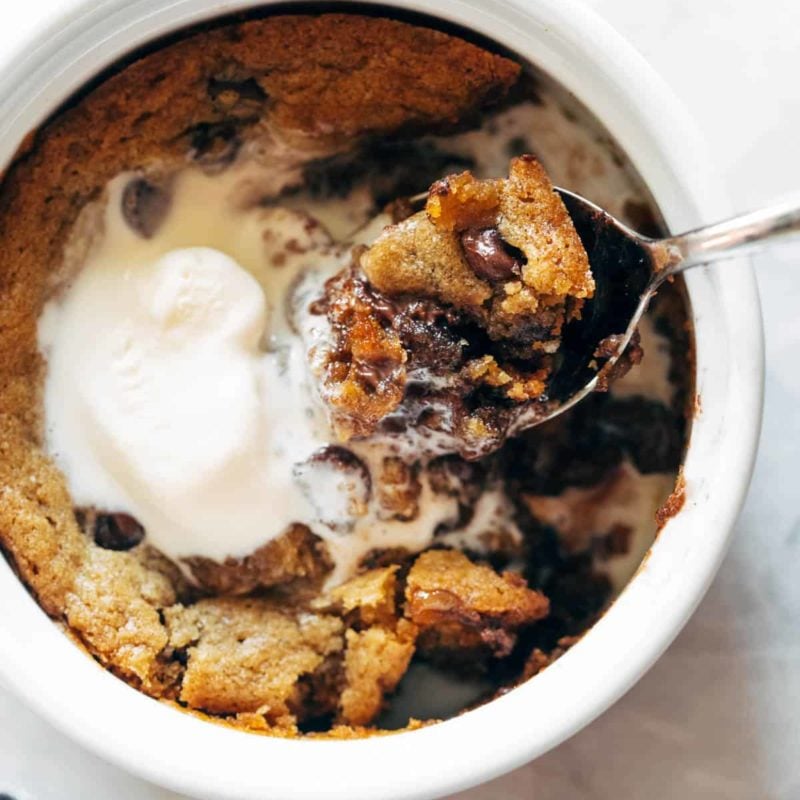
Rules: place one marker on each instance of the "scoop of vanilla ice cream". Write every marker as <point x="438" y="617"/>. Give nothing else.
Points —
<point x="156" y="398"/>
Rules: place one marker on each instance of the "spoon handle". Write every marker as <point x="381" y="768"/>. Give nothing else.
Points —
<point x="744" y="233"/>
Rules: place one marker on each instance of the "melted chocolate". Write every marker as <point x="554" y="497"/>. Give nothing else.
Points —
<point x="489" y="256"/>
<point x="145" y="206"/>
<point x="117" y="531"/>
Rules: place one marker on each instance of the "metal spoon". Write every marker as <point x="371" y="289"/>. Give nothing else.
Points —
<point x="628" y="269"/>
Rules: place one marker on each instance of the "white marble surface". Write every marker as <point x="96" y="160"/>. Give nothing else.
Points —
<point x="719" y="715"/>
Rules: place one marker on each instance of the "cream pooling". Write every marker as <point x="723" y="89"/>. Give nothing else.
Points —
<point x="178" y="392"/>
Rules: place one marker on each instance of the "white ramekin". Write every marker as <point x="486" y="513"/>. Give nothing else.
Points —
<point x="176" y="750"/>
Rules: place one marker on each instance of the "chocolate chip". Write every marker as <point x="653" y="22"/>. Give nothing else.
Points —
<point x="145" y="206"/>
<point x="117" y="531"/>
<point x="489" y="256"/>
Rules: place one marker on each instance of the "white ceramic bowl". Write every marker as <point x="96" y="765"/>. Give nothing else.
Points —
<point x="176" y="750"/>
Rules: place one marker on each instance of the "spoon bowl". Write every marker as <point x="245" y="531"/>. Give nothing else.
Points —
<point x="628" y="269"/>
<point x="626" y="274"/>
